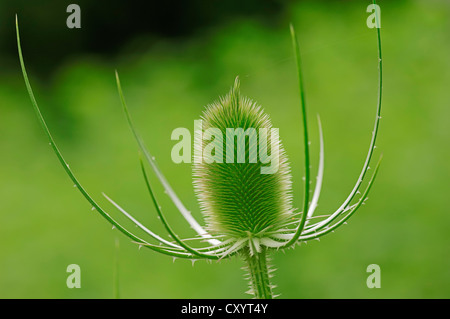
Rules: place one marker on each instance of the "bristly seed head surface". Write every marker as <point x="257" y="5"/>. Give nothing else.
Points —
<point x="236" y="198"/>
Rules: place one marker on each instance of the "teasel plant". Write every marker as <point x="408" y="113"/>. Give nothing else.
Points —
<point x="247" y="214"/>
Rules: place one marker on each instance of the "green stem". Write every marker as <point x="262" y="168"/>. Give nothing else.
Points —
<point x="259" y="274"/>
<point x="116" y="270"/>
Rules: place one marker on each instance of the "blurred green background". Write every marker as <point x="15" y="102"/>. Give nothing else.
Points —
<point x="45" y="224"/>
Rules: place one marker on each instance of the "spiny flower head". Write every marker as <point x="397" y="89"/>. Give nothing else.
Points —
<point x="236" y="195"/>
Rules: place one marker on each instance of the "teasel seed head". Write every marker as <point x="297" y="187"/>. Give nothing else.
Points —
<point x="237" y="198"/>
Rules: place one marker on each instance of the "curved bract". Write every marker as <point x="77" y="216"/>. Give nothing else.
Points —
<point x="244" y="190"/>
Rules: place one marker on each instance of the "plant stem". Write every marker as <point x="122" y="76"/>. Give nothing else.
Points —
<point x="116" y="270"/>
<point x="259" y="274"/>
